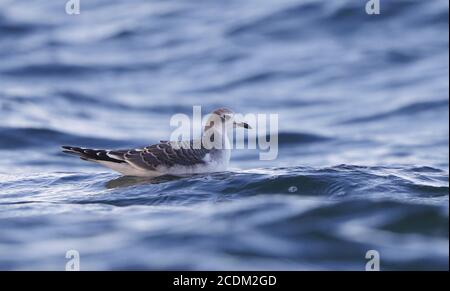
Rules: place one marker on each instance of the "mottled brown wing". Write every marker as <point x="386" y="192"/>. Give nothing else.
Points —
<point x="166" y="154"/>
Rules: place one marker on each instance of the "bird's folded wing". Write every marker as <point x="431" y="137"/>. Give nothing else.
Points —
<point x="166" y="154"/>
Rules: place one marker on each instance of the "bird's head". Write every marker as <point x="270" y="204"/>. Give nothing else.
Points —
<point x="225" y="117"/>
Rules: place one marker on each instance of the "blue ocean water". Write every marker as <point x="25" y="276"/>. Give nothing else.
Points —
<point x="363" y="163"/>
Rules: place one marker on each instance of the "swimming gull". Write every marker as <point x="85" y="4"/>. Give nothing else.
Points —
<point x="210" y="153"/>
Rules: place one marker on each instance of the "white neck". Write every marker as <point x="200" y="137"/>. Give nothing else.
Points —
<point x="220" y="136"/>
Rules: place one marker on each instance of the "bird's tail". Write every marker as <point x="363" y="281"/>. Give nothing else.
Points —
<point x="90" y="154"/>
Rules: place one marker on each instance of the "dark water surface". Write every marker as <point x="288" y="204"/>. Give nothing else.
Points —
<point x="363" y="158"/>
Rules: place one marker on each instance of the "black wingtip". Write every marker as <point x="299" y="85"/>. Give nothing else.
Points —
<point x="71" y="150"/>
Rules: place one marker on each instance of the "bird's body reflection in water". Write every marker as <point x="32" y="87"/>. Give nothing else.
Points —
<point x="167" y="190"/>
<point x="129" y="181"/>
